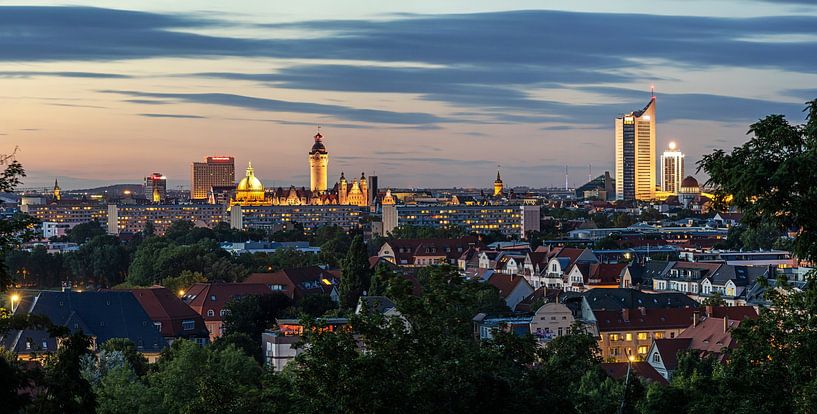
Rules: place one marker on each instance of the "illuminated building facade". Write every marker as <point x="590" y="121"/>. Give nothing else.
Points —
<point x="635" y="154"/>
<point x="318" y="165"/>
<point x="156" y="188"/>
<point x="311" y="217"/>
<point x="67" y="211"/>
<point x="214" y="171"/>
<point x="672" y="169"/>
<point x="132" y="218"/>
<point x="498" y="185"/>
<point x="506" y="219"/>
<point x="57" y="191"/>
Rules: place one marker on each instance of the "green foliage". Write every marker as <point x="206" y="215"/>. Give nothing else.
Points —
<point x="421" y="232"/>
<point x="355" y="275"/>
<point x="159" y="258"/>
<point x="13" y="377"/>
<point x="127" y="348"/>
<point x="84" y="232"/>
<point x="314" y="306"/>
<point x="18" y="228"/>
<point x="103" y="260"/>
<point x="251" y="315"/>
<point x="183" y="281"/>
<point x="771" y="178"/>
<point x="606" y="243"/>
<point x="715" y="299"/>
<point x="190" y="378"/>
<point x="64" y="388"/>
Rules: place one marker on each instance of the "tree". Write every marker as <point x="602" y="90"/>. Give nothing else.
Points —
<point x="251" y="315"/>
<point x="17" y="229"/>
<point x="84" y="232"/>
<point x="714" y="300"/>
<point x="127" y="348"/>
<point x="314" y="306"/>
<point x="606" y="243"/>
<point x="771" y="178"/>
<point x="183" y="281"/>
<point x="64" y="388"/>
<point x="355" y="274"/>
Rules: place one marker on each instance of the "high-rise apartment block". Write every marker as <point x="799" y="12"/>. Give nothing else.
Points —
<point x="213" y="172"/>
<point x="672" y="169"/>
<point x="635" y="154"/>
<point x="156" y="187"/>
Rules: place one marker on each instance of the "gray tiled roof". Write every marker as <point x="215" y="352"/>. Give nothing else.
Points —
<point x="103" y="315"/>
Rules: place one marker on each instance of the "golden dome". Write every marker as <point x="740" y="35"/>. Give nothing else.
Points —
<point x="250" y="183"/>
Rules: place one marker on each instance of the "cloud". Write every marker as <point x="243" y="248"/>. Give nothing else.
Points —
<point x="77" y="105"/>
<point x="275" y="105"/>
<point x="147" y="101"/>
<point x="33" y="74"/>
<point x="184" y="116"/>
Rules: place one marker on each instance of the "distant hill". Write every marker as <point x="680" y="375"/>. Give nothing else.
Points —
<point x="135" y="189"/>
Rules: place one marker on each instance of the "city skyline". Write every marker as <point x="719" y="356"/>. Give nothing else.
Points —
<point x="147" y="88"/>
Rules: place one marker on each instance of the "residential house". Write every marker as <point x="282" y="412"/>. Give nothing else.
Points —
<point x="640" y="369"/>
<point x="485" y="326"/>
<point x="559" y="262"/>
<point x="630" y="332"/>
<point x="172" y="317"/>
<point x="426" y="252"/>
<point x="551" y="320"/>
<point x="298" y="282"/>
<point x="513" y="289"/>
<point x="708" y="336"/>
<point x="210" y="301"/>
<point x="585" y="276"/>
<point x="728" y="219"/>
<point x="101" y="315"/>
<point x="279" y="344"/>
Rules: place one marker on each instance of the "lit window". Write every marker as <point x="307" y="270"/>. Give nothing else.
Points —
<point x="642" y="336"/>
<point x="642" y="350"/>
<point x="628" y="337"/>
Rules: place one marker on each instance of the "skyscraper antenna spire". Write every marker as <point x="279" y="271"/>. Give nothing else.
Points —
<point x="566" y="185"/>
<point x="652" y="91"/>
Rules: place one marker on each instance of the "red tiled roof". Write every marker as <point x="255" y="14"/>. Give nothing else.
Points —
<point x="618" y="370"/>
<point x="505" y="283"/>
<point x="203" y="297"/>
<point x="299" y="281"/>
<point x="165" y="307"/>
<point x="669" y="348"/>
<point x="710" y="335"/>
<point x="643" y="319"/>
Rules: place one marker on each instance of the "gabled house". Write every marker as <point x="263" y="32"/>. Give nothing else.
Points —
<point x="101" y="315"/>
<point x="641" y="275"/>
<point x="487" y="259"/>
<point x="299" y="282"/>
<point x="513" y="289"/>
<point x="708" y="336"/>
<point x="172" y="317"/>
<point x="642" y="370"/>
<point x="559" y="262"/>
<point x="426" y="252"/>
<point x="732" y="282"/>
<point x="210" y="300"/>
<point x="551" y="320"/>
<point x="585" y="276"/>
<point x="685" y="277"/>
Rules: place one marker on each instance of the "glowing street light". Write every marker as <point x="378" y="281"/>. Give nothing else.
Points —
<point x="14" y="298"/>
<point x="181" y="292"/>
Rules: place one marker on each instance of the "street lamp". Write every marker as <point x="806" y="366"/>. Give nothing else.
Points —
<point x="14" y="298"/>
<point x="181" y="292"/>
<point x="630" y="360"/>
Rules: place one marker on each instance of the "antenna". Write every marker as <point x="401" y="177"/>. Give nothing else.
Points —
<point x="566" y="186"/>
<point x="589" y="172"/>
<point x="652" y="91"/>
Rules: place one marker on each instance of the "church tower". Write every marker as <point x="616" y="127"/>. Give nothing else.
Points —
<point x="343" y="189"/>
<point x="498" y="185"/>
<point x="318" y="165"/>
<point x="57" y="191"/>
<point x="364" y="189"/>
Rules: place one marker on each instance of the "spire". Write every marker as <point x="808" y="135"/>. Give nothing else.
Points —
<point x="250" y="170"/>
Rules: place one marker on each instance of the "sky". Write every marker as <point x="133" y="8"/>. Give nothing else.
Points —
<point x="422" y="93"/>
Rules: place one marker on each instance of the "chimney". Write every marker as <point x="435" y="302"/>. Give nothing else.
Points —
<point x="625" y="314"/>
<point x="709" y="309"/>
<point x="725" y="324"/>
<point x="696" y="314"/>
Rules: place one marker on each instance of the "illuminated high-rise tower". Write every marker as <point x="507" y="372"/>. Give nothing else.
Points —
<point x="672" y="169"/>
<point x="214" y="171"/>
<point x="318" y="165"/>
<point x="156" y="187"/>
<point x="635" y="154"/>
